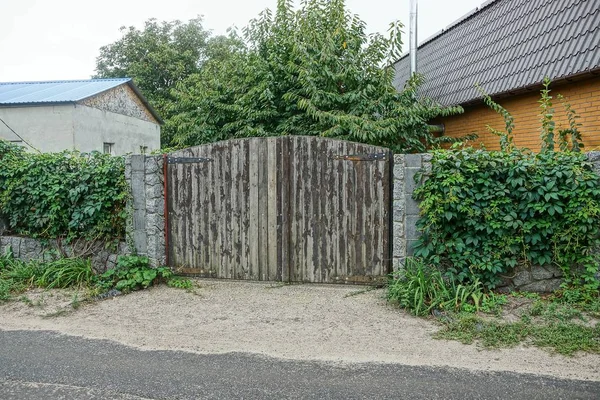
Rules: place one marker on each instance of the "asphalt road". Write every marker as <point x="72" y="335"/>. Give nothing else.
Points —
<point x="45" y="365"/>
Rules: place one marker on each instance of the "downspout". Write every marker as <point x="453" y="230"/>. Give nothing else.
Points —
<point x="414" y="5"/>
<point x="414" y="11"/>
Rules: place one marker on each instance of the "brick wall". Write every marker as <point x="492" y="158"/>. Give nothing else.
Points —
<point x="583" y="95"/>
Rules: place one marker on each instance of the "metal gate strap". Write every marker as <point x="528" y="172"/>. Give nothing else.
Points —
<point x="187" y="160"/>
<point x="362" y="157"/>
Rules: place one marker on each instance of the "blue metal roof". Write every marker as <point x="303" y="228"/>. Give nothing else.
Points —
<point x="31" y="93"/>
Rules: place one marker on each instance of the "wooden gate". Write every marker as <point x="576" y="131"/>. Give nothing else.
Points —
<point x="291" y="208"/>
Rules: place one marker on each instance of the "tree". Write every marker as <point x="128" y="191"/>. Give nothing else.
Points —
<point x="313" y="71"/>
<point x="156" y="57"/>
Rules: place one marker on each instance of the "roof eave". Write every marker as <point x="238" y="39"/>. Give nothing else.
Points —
<point x="535" y="86"/>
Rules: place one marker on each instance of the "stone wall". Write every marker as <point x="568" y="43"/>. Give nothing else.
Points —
<point x="146" y="227"/>
<point x="27" y="249"/>
<point x="405" y="210"/>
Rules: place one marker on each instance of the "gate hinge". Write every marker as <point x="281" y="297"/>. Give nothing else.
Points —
<point x="362" y="157"/>
<point x="187" y="160"/>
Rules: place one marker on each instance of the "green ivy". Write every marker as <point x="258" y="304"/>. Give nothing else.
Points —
<point x="482" y="213"/>
<point x="62" y="195"/>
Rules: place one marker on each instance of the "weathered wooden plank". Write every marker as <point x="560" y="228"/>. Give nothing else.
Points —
<point x="273" y="232"/>
<point x="252" y="223"/>
<point x="286" y="209"/>
<point x="263" y="210"/>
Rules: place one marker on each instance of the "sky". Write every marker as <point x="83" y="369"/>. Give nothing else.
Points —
<point x="60" y="39"/>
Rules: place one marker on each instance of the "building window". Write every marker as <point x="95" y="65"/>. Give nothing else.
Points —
<point x="143" y="149"/>
<point x="109" y="148"/>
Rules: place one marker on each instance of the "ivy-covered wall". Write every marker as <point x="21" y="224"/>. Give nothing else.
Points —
<point x="406" y="210"/>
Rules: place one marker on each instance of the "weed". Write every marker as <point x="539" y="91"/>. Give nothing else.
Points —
<point x="180" y="283"/>
<point x="568" y="338"/>
<point x="422" y="288"/>
<point x="26" y="300"/>
<point x="557" y="326"/>
<point x="75" y="302"/>
<point x="133" y="273"/>
<point x="67" y="272"/>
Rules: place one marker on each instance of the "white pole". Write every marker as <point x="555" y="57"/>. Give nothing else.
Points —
<point x="414" y="5"/>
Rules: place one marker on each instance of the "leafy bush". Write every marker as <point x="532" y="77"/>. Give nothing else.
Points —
<point x="133" y="273"/>
<point x="421" y="288"/>
<point x="67" y="194"/>
<point x="483" y="212"/>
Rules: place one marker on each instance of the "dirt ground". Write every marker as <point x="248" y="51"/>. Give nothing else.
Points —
<point x="344" y="324"/>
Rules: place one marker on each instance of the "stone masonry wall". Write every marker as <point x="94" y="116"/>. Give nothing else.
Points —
<point x="145" y="228"/>
<point x="27" y="249"/>
<point x="405" y="210"/>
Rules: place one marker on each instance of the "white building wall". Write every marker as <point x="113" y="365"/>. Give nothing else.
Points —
<point x="47" y="128"/>
<point x="78" y="127"/>
<point x="94" y="127"/>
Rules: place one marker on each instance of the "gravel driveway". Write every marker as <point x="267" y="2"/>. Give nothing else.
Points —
<point x="302" y="322"/>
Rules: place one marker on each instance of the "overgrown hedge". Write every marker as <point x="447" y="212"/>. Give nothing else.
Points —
<point x="62" y="195"/>
<point x="485" y="212"/>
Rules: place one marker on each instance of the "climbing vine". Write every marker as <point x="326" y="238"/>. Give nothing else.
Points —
<point x="62" y="195"/>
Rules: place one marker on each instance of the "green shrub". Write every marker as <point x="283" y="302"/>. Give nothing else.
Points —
<point x="133" y="273"/>
<point x="66" y="194"/>
<point x="421" y="288"/>
<point x="484" y="212"/>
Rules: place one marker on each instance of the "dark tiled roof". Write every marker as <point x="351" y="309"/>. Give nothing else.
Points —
<point x="507" y="45"/>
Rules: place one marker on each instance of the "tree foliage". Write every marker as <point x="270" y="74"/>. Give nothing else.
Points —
<point x="159" y="56"/>
<point x="310" y="71"/>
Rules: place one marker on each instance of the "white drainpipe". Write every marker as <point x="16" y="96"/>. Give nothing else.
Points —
<point x="414" y="5"/>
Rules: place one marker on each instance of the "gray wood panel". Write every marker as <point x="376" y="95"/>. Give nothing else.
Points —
<point x="280" y="209"/>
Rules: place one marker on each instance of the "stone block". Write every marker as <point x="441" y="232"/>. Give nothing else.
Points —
<point x="140" y="242"/>
<point x="410" y="247"/>
<point x="398" y="172"/>
<point x="426" y="158"/>
<point x="138" y="192"/>
<point x="412" y="206"/>
<point x="399" y="241"/>
<point x="411" y="227"/>
<point x="398" y="211"/>
<point x="139" y="220"/>
<point x="540" y="273"/>
<point x="544" y="286"/>
<point x="152" y="164"/>
<point x="154" y="179"/>
<point x="154" y="191"/>
<point x="522" y="277"/>
<point x="399" y="160"/>
<point x="398" y="190"/>
<point x="398" y="265"/>
<point x="155" y="220"/>
<point x="409" y="183"/>
<point x="155" y="205"/>
<point x="413" y="160"/>
<point x="138" y="162"/>
<point x="593" y="156"/>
